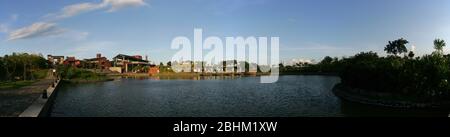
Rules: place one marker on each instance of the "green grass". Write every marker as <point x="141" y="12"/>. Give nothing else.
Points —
<point x="15" y="85"/>
<point x="40" y="74"/>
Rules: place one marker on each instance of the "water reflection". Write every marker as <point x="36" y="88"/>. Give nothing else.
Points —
<point x="214" y="96"/>
<point x="179" y="77"/>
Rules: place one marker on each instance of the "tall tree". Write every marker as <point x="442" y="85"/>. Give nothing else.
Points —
<point x="327" y="60"/>
<point x="439" y="45"/>
<point x="396" y="47"/>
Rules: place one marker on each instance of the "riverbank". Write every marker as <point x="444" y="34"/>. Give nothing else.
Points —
<point x="383" y="99"/>
<point x="310" y="73"/>
<point x="78" y="81"/>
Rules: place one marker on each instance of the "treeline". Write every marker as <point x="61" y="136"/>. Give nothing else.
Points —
<point x="424" y="78"/>
<point x="328" y="65"/>
<point x="22" y="66"/>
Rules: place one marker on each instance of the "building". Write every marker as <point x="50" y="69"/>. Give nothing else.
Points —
<point x="230" y="66"/>
<point x="153" y="70"/>
<point x="128" y="63"/>
<point x="183" y="66"/>
<point x="209" y="68"/>
<point x="55" y="60"/>
<point x="98" y="62"/>
<point x="72" y="61"/>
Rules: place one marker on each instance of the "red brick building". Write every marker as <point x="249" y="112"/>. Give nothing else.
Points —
<point x="98" y="63"/>
<point x="153" y="70"/>
<point x="72" y="61"/>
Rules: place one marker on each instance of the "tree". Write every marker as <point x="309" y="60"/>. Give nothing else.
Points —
<point x="396" y="47"/>
<point x="411" y="54"/>
<point x="439" y="46"/>
<point x="327" y="60"/>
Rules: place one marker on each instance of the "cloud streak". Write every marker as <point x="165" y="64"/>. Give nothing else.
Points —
<point x="48" y="28"/>
<point x="119" y="4"/>
<point x="38" y="29"/>
<point x="107" y="5"/>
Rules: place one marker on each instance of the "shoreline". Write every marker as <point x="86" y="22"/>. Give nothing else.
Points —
<point x="356" y="95"/>
<point x="80" y="81"/>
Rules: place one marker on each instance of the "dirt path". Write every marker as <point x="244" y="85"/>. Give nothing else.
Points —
<point x="15" y="101"/>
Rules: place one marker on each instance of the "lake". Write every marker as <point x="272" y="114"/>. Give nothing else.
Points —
<point x="291" y="96"/>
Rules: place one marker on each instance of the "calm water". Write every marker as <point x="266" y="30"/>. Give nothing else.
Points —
<point x="291" y="96"/>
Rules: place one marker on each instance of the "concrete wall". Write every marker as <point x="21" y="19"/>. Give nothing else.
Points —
<point x="41" y="106"/>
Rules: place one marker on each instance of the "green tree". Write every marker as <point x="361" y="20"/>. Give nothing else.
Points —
<point x="411" y="54"/>
<point x="396" y="47"/>
<point x="327" y="60"/>
<point x="439" y="45"/>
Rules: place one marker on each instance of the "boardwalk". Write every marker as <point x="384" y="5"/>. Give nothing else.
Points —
<point x="15" y="101"/>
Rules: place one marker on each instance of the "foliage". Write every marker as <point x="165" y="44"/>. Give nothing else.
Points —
<point x="396" y="47"/>
<point x="68" y="72"/>
<point x="439" y="46"/>
<point x="21" y="66"/>
<point x="15" y="84"/>
<point x="423" y="78"/>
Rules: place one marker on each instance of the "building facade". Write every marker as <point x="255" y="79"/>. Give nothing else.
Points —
<point x="130" y="63"/>
<point x="98" y="62"/>
<point x="55" y="60"/>
<point x="72" y="61"/>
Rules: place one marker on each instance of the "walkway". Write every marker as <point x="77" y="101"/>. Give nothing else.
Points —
<point x="13" y="102"/>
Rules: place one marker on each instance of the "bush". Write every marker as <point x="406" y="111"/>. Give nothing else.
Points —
<point x="67" y="72"/>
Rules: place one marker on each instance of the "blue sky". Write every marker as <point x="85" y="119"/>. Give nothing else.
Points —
<point x="307" y="28"/>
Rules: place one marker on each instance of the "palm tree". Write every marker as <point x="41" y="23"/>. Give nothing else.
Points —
<point x="439" y="45"/>
<point x="396" y="47"/>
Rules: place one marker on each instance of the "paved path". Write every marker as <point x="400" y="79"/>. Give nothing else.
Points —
<point x="13" y="102"/>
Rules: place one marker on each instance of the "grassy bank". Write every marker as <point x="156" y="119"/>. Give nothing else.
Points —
<point x="36" y="76"/>
<point x="75" y="75"/>
<point x="15" y="84"/>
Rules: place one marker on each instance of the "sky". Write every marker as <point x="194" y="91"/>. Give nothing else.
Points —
<point x="308" y="29"/>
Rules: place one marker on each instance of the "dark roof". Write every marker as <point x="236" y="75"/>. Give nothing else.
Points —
<point x="95" y="59"/>
<point x="56" y="56"/>
<point x="120" y="56"/>
<point x="71" y="59"/>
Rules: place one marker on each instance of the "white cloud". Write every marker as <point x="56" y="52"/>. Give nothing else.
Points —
<point x="119" y="4"/>
<point x="46" y="29"/>
<point x="294" y="61"/>
<point x="76" y="9"/>
<point x="38" y="29"/>
<point x="413" y="48"/>
<point x="110" y="5"/>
